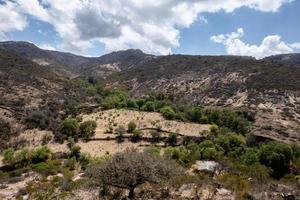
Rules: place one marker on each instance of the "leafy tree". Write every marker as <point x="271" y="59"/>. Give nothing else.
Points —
<point x="250" y="157"/>
<point x="149" y="106"/>
<point x="131" y="127"/>
<point x="230" y="142"/>
<point x="69" y="128"/>
<point x="129" y="169"/>
<point x="87" y="129"/>
<point x="132" y="104"/>
<point x="277" y="156"/>
<point x="168" y="112"/>
<point x="114" y="99"/>
<point x="209" y="150"/>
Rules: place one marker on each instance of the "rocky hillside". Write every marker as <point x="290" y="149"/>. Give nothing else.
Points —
<point x="271" y="89"/>
<point x="73" y="65"/>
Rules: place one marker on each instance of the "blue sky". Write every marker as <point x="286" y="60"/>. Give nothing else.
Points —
<point x="258" y="28"/>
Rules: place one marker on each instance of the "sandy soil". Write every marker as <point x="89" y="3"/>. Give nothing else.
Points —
<point x="116" y="118"/>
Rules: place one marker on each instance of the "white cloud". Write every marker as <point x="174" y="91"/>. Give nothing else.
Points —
<point x="153" y="26"/>
<point x="10" y="19"/>
<point x="270" y="45"/>
<point x="295" y="45"/>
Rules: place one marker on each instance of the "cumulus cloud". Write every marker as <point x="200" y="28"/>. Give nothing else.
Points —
<point x="10" y="19"/>
<point x="270" y="45"/>
<point x="153" y="26"/>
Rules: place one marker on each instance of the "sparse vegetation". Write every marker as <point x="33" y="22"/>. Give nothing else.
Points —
<point x="131" y="127"/>
<point x="87" y="129"/>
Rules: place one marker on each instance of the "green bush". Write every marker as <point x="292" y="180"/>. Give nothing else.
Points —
<point x="250" y="157"/>
<point x="69" y="128"/>
<point x="180" y="154"/>
<point x="131" y="127"/>
<point x="120" y="131"/>
<point x="24" y="157"/>
<point x="168" y="112"/>
<point x="136" y="135"/>
<point x="277" y="156"/>
<point x="8" y="155"/>
<point x="114" y="100"/>
<point x="87" y="129"/>
<point x="130" y="103"/>
<point x="258" y="172"/>
<point x="155" y="135"/>
<point x="40" y="154"/>
<point x="51" y="167"/>
<point x="149" y="106"/>
<point x="230" y="142"/>
<point x="209" y="150"/>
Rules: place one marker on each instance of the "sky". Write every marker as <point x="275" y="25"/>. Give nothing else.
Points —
<point x="257" y="28"/>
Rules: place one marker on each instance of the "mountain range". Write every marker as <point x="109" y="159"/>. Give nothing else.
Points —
<point x="269" y="88"/>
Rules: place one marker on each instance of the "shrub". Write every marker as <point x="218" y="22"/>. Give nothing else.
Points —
<point x="131" y="127"/>
<point x="37" y="119"/>
<point x="168" y="112"/>
<point x="230" y="142"/>
<point x="87" y="129"/>
<point x="155" y="135"/>
<point x="132" y="104"/>
<point x="236" y="183"/>
<point x="40" y="154"/>
<point x="277" y="156"/>
<point x="24" y="157"/>
<point x="8" y="155"/>
<point x="69" y="128"/>
<point x="258" y="172"/>
<point x="114" y="99"/>
<point x="17" y="159"/>
<point x="209" y="150"/>
<point x="180" y="154"/>
<point x="149" y="106"/>
<point x="250" y="157"/>
<point x="130" y="169"/>
<point x="120" y="131"/>
<point x="51" y="167"/>
<point x="136" y="136"/>
<point x="172" y="139"/>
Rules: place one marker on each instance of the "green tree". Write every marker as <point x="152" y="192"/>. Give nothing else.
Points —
<point x="277" y="156"/>
<point x="230" y="142"/>
<point x="87" y="129"/>
<point x="69" y="128"/>
<point x="131" y="127"/>
<point x="250" y="157"/>
<point x="149" y="106"/>
<point x="129" y="169"/>
<point x="168" y="112"/>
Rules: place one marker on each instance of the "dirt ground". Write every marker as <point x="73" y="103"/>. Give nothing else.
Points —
<point x="115" y="118"/>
